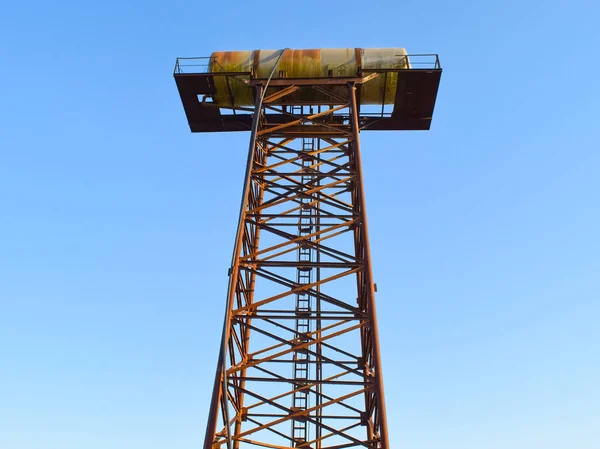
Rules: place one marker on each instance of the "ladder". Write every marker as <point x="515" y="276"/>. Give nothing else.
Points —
<point x="304" y="276"/>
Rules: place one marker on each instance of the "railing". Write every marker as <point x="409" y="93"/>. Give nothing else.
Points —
<point x="422" y="61"/>
<point x="199" y="64"/>
<point x="202" y="64"/>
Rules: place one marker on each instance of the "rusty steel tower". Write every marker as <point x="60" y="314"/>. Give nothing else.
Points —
<point x="299" y="364"/>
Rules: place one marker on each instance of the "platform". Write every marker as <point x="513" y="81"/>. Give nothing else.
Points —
<point x="416" y="93"/>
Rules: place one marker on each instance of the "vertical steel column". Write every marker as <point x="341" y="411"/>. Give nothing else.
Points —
<point x="368" y="270"/>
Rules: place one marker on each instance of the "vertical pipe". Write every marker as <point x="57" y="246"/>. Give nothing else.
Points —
<point x="220" y="385"/>
<point x="246" y="334"/>
<point x="220" y="375"/>
<point x="368" y="273"/>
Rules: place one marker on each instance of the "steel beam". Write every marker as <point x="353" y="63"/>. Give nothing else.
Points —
<point x="299" y="342"/>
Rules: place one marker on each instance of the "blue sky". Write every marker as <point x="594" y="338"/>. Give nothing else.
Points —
<point x="117" y="223"/>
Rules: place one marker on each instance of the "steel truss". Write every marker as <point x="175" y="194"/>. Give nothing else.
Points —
<point x="299" y="364"/>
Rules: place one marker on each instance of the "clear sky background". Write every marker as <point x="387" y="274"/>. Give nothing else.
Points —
<point x="117" y="223"/>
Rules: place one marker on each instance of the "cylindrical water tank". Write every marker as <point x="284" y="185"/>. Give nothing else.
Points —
<point x="315" y="63"/>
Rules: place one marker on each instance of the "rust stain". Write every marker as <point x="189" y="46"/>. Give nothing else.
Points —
<point x="300" y="63"/>
<point x="229" y="61"/>
<point x="307" y="63"/>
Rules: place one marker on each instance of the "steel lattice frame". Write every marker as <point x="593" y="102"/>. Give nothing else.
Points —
<point x="299" y="363"/>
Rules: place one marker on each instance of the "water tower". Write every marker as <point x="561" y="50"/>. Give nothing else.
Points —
<point x="299" y="364"/>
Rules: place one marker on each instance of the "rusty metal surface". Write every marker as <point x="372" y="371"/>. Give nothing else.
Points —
<point x="413" y="106"/>
<point x="312" y="63"/>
